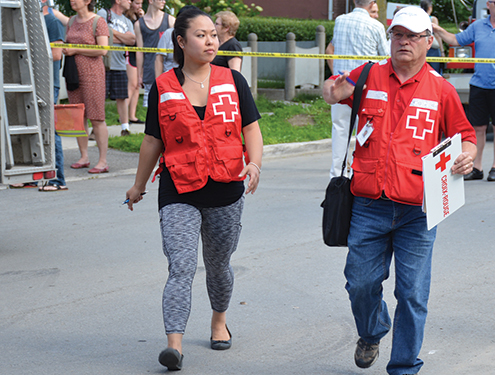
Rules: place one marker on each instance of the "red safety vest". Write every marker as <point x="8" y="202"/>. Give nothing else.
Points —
<point x="196" y="149"/>
<point x="389" y="161"/>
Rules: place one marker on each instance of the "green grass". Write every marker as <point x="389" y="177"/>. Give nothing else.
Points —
<point x="274" y="123"/>
<point x="129" y="143"/>
<point x="271" y="84"/>
<point x="276" y="128"/>
<point x="112" y="117"/>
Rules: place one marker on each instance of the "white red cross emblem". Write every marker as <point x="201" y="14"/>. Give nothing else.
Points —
<point x="420" y="124"/>
<point x="226" y="107"/>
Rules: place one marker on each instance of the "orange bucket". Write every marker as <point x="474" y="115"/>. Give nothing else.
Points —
<point x="69" y="120"/>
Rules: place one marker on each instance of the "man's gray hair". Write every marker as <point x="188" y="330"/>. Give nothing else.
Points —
<point x="363" y="3"/>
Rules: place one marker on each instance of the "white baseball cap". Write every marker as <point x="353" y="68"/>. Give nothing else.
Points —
<point x="412" y="18"/>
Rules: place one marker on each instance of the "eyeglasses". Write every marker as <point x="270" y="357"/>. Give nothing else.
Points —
<point x="396" y="35"/>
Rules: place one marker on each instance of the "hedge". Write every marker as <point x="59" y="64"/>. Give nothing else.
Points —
<point x="276" y="29"/>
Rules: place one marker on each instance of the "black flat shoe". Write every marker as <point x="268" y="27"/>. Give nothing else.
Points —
<point x="171" y="359"/>
<point x="221" y="344"/>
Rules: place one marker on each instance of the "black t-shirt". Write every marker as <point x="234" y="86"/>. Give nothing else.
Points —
<point x="230" y="45"/>
<point x="213" y="194"/>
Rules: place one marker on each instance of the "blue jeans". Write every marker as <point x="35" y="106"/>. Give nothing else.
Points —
<point x="379" y="230"/>
<point x="59" y="153"/>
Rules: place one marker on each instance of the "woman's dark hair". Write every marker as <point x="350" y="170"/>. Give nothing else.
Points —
<point x="91" y="5"/>
<point x="425" y="5"/>
<point x="184" y="17"/>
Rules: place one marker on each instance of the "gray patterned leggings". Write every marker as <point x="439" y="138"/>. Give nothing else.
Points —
<point x="181" y="226"/>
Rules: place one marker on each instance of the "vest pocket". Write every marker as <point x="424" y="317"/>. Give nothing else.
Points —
<point x="408" y="184"/>
<point x="229" y="163"/>
<point x="364" y="179"/>
<point x="173" y="117"/>
<point x="377" y="111"/>
<point x="225" y="133"/>
<point x="182" y="167"/>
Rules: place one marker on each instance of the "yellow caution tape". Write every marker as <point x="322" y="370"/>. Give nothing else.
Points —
<point x="268" y="54"/>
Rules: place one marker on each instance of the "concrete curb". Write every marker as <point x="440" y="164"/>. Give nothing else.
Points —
<point x="269" y="151"/>
<point x="299" y="148"/>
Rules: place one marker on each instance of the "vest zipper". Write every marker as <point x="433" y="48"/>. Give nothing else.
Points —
<point x="205" y="146"/>
<point x="386" y="163"/>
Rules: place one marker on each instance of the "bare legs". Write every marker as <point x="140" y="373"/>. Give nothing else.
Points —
<point x="101" y="134"/>
<point x="82" y="143"/>
<point x="133" y="88"/>
<point x="175" y="341"/>
<point x="122" y="110"/>
<point x="219" y="326"/>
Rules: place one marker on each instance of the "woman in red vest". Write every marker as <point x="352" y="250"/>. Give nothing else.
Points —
<point x="196" y="116"/>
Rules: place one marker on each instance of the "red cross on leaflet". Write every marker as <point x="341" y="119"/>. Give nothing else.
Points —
<point x="420" y="123"/>
<point x="442" y="164"/>
<point x="226" y="107"/>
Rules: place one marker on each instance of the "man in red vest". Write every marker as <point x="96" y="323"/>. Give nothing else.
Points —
<point x="406" y="108"/>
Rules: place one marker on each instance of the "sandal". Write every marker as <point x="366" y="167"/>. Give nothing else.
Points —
<point x="24" y="185"/>
<point x="52" y="187"/>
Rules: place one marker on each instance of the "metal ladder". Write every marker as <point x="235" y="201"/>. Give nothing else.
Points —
<point x="23" y="140"/>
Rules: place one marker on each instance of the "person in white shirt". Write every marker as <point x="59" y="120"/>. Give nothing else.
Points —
<point x="355" y="33"/>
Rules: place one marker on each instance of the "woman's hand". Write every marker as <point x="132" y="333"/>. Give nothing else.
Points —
<point x="68" y="51"/>
<point x="254" y="147"/>
<point x="254" y="177"/>
<point x="133" y="195"/>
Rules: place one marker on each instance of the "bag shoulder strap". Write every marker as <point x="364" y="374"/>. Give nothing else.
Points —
<point x="358" y="92"/>
<point x="71" y="21"/>
<point x="95" y="24"/>
<point x="109" y="16"/>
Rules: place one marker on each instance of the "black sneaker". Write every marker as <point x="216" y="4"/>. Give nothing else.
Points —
<point x="124" y="132"/>
<point x="137" y="121"/>
<point x="491" y="175"/>
<point x="366" y="354"/>
<point x="475" y="174"/>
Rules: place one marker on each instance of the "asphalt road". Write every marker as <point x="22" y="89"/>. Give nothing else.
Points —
<point x="81" y="279"/>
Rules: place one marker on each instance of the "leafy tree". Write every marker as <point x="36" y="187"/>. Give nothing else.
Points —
<point x="65" y="8"/>
<point x="442" y="9"/>
<point x="214" y="6"/>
